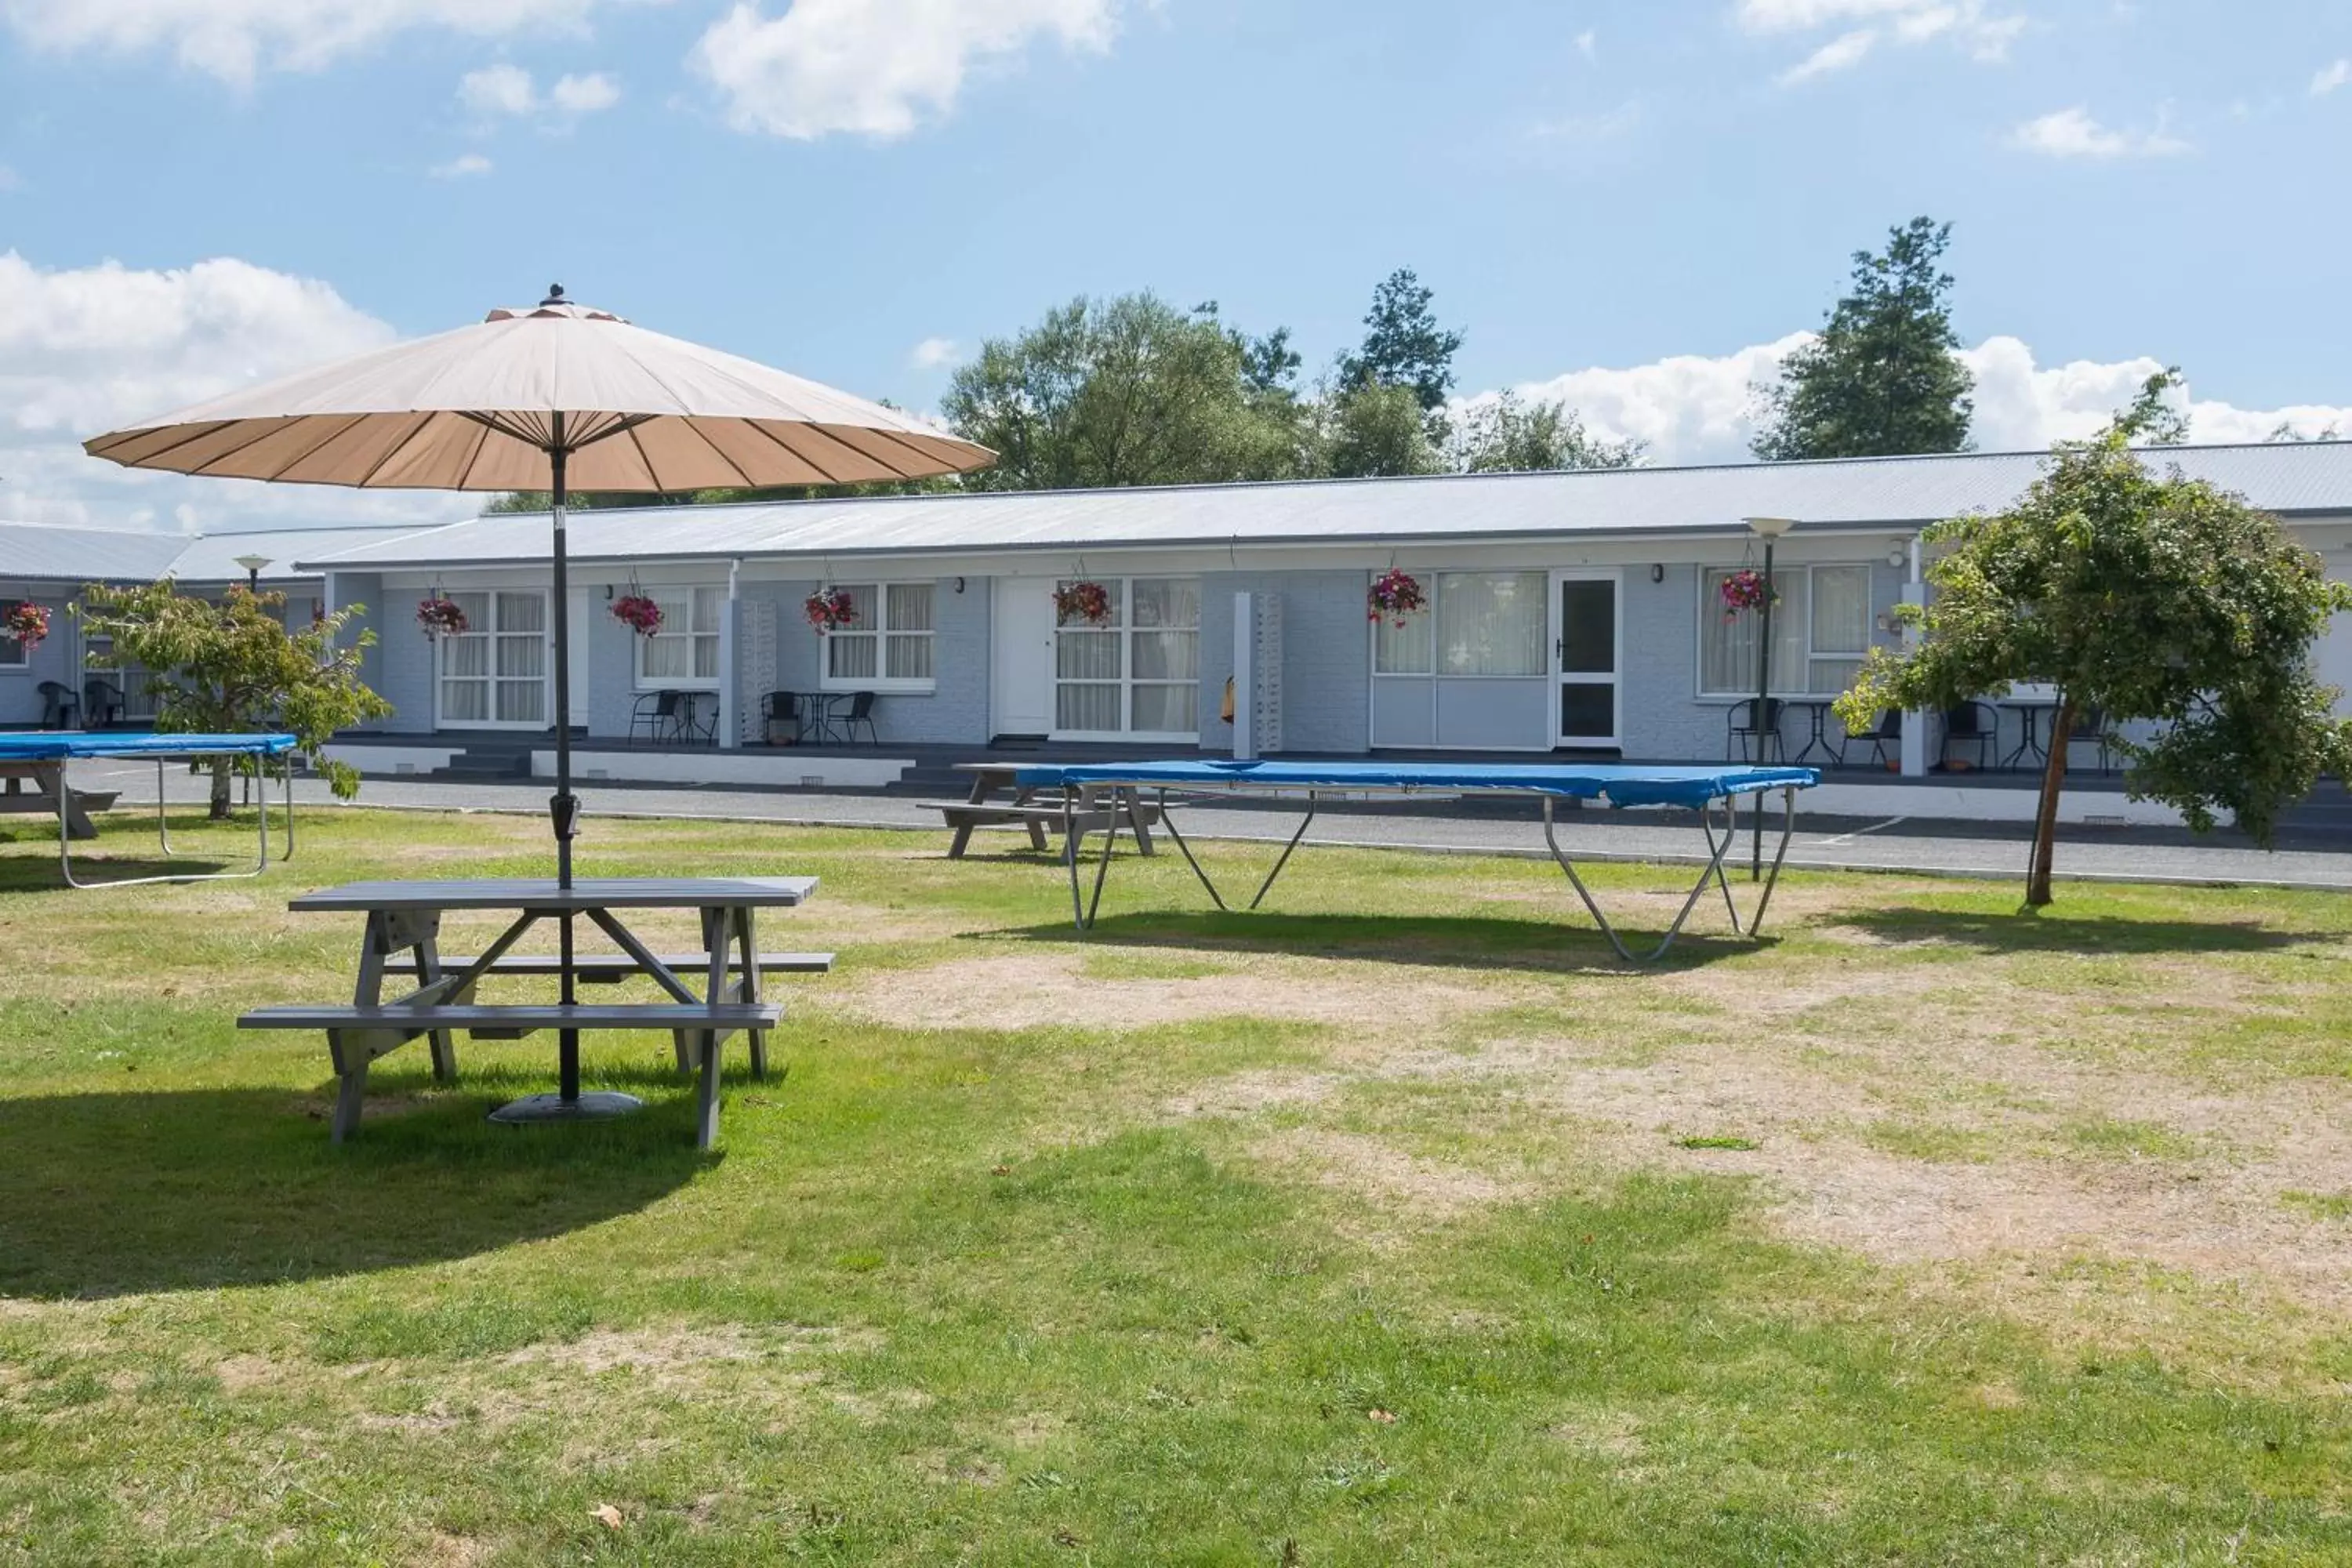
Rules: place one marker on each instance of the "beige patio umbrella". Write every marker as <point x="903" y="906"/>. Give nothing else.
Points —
<point x="554" y="397"/>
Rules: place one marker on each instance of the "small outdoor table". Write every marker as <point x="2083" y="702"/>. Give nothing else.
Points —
<point x="403" y="925"/>
<point x="2034" y="715"/>
<point x="1818" y="711"/>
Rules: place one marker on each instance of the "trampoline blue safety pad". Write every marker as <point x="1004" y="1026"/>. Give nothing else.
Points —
<point x="1618" y="784"/>
<point x="57" y="745"/>
<point x="1705" y="790"/>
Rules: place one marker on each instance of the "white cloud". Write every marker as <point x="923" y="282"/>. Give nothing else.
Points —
<point x="1588" y="129"/>
<point x="1968" y="24"/>
<point x="91" y="349"/>
<point x="1693" y="408"/>
<point x="584" y="94"/>
<point x="875" y="67"/>
<point x="236" y="39"/>
<point x="2331" y="77"/>
<point x="2073" y="133"/>
<point x="933" y="353"/>
<point x="1841" y="53"/>
<point x="508" y="90"/>
<point x="1587" y="45"/>
<point x="500" y="89"/>
<point x="465" y="166"/>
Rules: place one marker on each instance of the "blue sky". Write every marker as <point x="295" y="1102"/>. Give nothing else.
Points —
<point x="1630" y="205"/>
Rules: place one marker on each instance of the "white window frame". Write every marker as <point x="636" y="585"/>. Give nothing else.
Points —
<point x="15" y="658"/>
<point x="882" y="632"/>
<point x="546" y="718"/>
<point x="675" y="594"/>
<point x="1711" y="605"/>
<point x="1127" y="682"/>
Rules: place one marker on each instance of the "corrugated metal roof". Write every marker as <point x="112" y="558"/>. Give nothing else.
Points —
<point x="212" y="557"/>
<point x="43" y="552"/>
<point x="1899" y="492"/>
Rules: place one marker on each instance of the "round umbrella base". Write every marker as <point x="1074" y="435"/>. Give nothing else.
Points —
<point x="596" y="1107"/>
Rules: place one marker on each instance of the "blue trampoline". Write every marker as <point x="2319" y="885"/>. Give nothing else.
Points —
<point x="44" y="755"/>
<point x="1705" y="790"/>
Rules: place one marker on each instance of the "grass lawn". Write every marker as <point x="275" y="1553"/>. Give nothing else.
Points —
<point x="1399" y="1226"/>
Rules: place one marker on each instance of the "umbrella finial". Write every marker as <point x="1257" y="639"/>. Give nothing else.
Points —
<point x="554" y="296"/>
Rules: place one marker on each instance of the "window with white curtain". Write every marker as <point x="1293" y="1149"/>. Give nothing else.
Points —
<point x="1478" y="624"/>
<point x="13" y="653"/>
<point x="1820" y="630"/>
<point x="887" y="643"/>
<point x="684" y="652"/>
<point x="494" y="673"/>
<point x="1139" y="671"/>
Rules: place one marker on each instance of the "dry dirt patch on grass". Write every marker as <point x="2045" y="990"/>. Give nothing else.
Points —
<point x="1395" y="1180"/>
<point x="1020" y="990"/>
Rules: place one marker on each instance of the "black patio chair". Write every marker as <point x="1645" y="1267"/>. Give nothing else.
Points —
<point x="59" y="705"/>
<point x="1742" y="733"/>
<point x="1970" y="724"/>
<point x="2093" y="729"/>
<point x="667" y="716"/>
<point x="1888" y="732"/>
<point x="101" y="703"/>
<point x="784" y="711"/>
<point x="861" y="712"/>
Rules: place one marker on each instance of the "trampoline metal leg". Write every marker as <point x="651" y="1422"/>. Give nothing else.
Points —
<point x="1712" y="871"/>
<point x="1082" y="912"/>
<point x="1266" y="886"/>
<point x="1168" y="820"/>
<point x="1314" y="803"/>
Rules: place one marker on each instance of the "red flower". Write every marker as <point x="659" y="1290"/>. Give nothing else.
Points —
<point x="1396" y="594"/>
<point x="27" y="622"/>
<point x="1088" y="601"/>
<point x="828" y="609"/>
<point x="438" y="617"/>
<point x="637" y="613"/>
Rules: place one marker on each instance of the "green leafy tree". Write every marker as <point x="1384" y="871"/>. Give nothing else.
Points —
<point x="1503" y="435"/>
<point x="1883" y="379"/>
<point x="1127" y="390"/>
<point x="1404" y="345"/>
<point x="2150" y="597"/>
<point x="1371" y="431"/>
<point x="233" y="666"/>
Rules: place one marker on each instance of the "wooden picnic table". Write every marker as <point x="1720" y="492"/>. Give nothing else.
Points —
<point x="1094" y="810"/>
<point x="403" y="931"/>
<point x="49" y="795"/>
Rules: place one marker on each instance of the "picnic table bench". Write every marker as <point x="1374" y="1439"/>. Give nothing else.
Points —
<point x="402" y="932"/>
<point x="1095" y="810"/>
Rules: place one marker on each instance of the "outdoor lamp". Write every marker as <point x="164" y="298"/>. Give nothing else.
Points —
<point x="253" y="565"/>
<point x="1767" y="529"/>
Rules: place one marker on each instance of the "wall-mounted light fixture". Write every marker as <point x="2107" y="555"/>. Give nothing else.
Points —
<point x="959" y="585"/>
<point x="1897" y="554"/>
<point x="1657" y="574"/>
<point x="608" y="590"/>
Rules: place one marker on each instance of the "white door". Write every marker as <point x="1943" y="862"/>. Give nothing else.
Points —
<point x="581" y="609"/>
<point x="1586" y="644"/>
<point x="2332" y="661"/>
<point x="1021" y="659"/>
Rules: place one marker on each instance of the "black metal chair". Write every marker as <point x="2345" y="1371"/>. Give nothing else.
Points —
<point x="668" y="716"/>
<point x="861" y="712"/>
<point x="781" y="709"/>
<point x="2091" y="728"/>
<point x="1742" y="733"/>
<point x="1889" y="732"/>
<point x="59" y="705"/>
<point x="101" y="703"/>
<point x="1970" y="724"/>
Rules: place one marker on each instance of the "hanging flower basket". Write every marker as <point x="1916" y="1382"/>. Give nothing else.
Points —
<point x="829" y="609"/>
<point x="440" y="617"/>
<point x="637" y="613"/>
<point x="27" y="622"/>
<point x="1088" y="601"/>
<point x="1396" y="594"/>
<point x="1745" y="590"/>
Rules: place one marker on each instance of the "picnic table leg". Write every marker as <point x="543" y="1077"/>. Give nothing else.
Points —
<point x="749" y="988"/>
<point x="52" y="778"/>
<point x="441" y="1042"/>
<point x="350" y="1050"/>
<point x="1037" y="839"/>
<point x="1134" y="798"/>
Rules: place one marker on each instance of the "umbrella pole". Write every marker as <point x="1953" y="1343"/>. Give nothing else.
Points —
<point x="564" y="809"/>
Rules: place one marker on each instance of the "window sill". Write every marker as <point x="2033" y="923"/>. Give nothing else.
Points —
<point x="645" y="687"/>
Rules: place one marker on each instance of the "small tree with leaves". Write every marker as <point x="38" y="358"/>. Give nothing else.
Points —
<point x="232" y="666"/>
<point x="1503" y="435"/>
<point x="2150" y="597"/>
<point x="1404" y="345"/>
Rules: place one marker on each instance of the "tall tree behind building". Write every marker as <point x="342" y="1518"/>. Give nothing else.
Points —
<point x="1883" y="379"/>
<point x="1404" y="345"/>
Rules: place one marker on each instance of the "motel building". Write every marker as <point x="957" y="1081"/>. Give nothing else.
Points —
<point x="1578" y="614"/>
